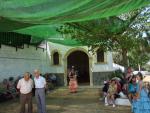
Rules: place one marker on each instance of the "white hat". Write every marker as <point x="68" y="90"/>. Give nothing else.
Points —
<point x="105" y="82"/>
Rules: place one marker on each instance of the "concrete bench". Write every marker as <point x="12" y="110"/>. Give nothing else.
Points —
<point x="123" y="101"/>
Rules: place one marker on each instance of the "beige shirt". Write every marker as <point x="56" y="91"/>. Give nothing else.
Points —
<point x="25" y="86"/>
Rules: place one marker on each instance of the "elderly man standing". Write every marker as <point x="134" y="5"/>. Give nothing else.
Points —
<point x="25" y="86"/>
<point x="40" y="85"/>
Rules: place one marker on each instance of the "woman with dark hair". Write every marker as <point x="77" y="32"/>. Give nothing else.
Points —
<point x="73" y="81"/>
<point x="132" y="88"/>
<point x="141" y="102"/>
<point x="127" y="79"/>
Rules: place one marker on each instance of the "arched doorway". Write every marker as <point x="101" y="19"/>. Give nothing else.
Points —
<point x="80" y="60"/>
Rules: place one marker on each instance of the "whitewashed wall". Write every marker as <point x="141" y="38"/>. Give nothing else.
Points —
<point x="104" y="67"/>
<point x="96" y="67"/>
<point x="14" y="63"/>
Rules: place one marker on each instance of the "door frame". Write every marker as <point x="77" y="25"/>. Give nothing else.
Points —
<point x="65" y="63"/>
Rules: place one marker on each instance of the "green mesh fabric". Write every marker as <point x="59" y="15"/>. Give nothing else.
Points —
<point x="43" y="31"/>
<point x="66" y="41"/>
<point x="39" y="17"/>
<point x="60" y="11"/>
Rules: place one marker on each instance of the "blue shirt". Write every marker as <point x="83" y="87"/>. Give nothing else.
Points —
<point x="40" y="82"/>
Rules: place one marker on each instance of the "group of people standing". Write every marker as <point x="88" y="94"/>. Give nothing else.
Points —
<point x="133" y="87"/>
<point x="138" y="92"/>
<point x="25" y="86"/>
<point x="140" y="98"/>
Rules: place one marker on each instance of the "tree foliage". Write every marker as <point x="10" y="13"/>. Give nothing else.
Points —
<point x="123" y="34"/>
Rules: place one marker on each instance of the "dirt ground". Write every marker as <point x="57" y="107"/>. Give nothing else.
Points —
<point x="61" y="101"/>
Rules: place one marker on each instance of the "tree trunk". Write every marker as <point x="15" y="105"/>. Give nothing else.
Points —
<point x="124" y="58"/>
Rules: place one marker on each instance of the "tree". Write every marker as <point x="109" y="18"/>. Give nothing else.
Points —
<point x="118" y="33"/>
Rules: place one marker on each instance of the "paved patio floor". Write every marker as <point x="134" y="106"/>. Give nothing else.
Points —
<point x="61" y="101"/>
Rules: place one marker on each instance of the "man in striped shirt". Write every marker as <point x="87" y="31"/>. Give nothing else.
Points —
<point x="25" y="86"/>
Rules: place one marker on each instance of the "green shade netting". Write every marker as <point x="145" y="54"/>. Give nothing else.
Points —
<point x="66" y="41"/>
<point x="43" y="31"/>
<point x="49" y="33"/>
<point x="60" y="11"/>
<point x="39" y="17"/>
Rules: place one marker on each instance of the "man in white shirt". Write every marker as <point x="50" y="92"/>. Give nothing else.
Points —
<point x="25" y="86"/>
<point x="40" y="85"/>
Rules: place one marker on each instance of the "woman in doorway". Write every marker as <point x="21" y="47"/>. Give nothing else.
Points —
<point x="141" y="103"/>
<point x="73" y="81"/>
